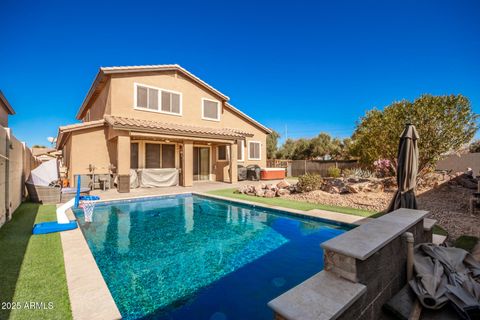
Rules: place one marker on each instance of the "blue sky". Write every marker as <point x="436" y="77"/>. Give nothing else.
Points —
<point x="309" y="66"/>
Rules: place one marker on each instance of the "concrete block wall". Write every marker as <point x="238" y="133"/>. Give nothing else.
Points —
<point x="16" y="162"/>
<point x="369" y="264"/>
<point x="383" y="273"/>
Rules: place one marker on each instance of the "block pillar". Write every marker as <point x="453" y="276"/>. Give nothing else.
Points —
<point x="233" y="163"/>
<point x="123" y="163"/>
<point x="187" y="164"/>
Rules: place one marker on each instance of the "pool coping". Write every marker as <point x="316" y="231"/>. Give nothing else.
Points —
<point x="328" y="216"/>
<point x="89" y="295"/>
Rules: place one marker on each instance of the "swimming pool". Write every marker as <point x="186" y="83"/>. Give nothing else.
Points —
<point x="195" y="257"/>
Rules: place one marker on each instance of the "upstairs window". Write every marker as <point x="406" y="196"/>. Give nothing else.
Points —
<point x="159" y="100"/>
<point x="210" y="110"/>
<point x="170" y="102"/>
<point x="254" y="150"/>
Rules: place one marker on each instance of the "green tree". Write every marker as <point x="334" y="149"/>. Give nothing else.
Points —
<point x="444" y="123"/>
<point x="272" y="142"/>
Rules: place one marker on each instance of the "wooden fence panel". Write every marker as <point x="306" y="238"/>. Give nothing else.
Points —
<point x="301" y="167"/>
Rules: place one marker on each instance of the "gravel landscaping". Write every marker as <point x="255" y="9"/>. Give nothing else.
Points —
<point x="447" y="202"/>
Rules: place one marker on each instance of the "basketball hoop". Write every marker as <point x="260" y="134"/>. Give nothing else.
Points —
<point x="88" y="207"/>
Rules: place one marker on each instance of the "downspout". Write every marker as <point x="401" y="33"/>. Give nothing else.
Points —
<point x="417" y="307"/>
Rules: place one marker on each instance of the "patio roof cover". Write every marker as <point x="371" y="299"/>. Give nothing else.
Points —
<point x="407" y="167"/>
<point x="152" y="126"/>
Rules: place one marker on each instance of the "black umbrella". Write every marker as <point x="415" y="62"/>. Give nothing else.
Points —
<point x="407" y="169"/>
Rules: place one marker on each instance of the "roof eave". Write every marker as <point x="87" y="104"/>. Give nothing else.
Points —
<point x="6" y="104"/>
<point x="245" y="116"/>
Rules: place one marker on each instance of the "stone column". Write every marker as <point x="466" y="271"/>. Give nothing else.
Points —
<point x="233" y="163"/>
<point x="187" y="164"/>
<point x="123" y="163"/>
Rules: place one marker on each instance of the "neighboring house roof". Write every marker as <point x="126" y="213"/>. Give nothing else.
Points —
<point x="42" y="151"/>
<point x="100" y="81"/>
<point x="172" y="128"/>
<point x="150" y="126"/>
<point x="6" y="104"/>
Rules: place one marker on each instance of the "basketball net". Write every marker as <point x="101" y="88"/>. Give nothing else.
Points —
<point x="88" y="208"/>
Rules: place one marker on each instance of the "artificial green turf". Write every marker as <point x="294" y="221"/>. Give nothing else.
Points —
<point x="32" y="268"/>
<point x="439" y="230"/>
<point x="292" y="204"/>
<point x="466" y="242"/>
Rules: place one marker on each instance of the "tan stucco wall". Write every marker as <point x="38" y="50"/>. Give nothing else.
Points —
<point x="122" y="104"/>
<point x="3" y="116"/>
<point x="88" y="147"/>
<point x="101" y="104"/>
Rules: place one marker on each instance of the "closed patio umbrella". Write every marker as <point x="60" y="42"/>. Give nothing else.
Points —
<point x="407" y="167"/>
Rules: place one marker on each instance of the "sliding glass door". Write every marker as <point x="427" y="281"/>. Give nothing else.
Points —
<point x="201" y="163"/>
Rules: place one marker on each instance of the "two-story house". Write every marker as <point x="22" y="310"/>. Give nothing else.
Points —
<point x="161" y="116"/>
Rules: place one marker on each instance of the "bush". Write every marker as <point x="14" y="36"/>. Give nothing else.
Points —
<point x="334" y="172"/>
<point x="309" y="182"/>
<point x="358" y="173"/>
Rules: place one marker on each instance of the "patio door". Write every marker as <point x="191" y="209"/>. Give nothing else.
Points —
<point x="201" y="163"/>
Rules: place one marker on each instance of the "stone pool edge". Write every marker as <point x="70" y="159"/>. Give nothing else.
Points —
<point x="343" y="218"/>
<point x="89" y="295"/>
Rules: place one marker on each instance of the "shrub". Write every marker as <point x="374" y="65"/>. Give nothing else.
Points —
<point x="309" y="182"/>
<point x="358" y="173"/>
<point x="383" y="168"/>
<point x="334" y="172"/>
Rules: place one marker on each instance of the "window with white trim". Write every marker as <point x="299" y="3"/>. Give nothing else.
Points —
<point x="240" y="151"/>
<point x="210" y="110"/>
<point x="159" y="100"/>
<point x="254" y="150"/>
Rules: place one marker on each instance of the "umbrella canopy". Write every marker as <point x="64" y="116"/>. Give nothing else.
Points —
<point x="446" y="274"/>
<point x="45" y="173"/>
<point x="407" y="167"/>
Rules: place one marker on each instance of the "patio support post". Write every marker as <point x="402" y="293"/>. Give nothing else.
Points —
<point x="187" y="164"/>
<point x="233" y="163"/>
<point x="123" y="163"/>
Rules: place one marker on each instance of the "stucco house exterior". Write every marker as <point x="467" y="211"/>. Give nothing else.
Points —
<point x="159" y="116"/>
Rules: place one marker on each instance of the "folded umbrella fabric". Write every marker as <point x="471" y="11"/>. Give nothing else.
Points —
<point x="446" y="274"/>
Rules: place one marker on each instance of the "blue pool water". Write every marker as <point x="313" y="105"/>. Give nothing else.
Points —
<point x="193" y="257"/>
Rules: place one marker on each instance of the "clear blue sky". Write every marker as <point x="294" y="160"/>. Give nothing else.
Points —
<point x="310" y="65"/>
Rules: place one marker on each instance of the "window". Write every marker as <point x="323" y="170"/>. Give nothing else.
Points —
<point x="240" y="155"/>
<point x="134" y="155"/>
<point x="168" y="156"/>
<point x="210" y="110"/>
<point x="152" y="155"/>
<point x="222" y="153"/>
<point x="159" y="100"/>
<point x="254" y="152"/>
